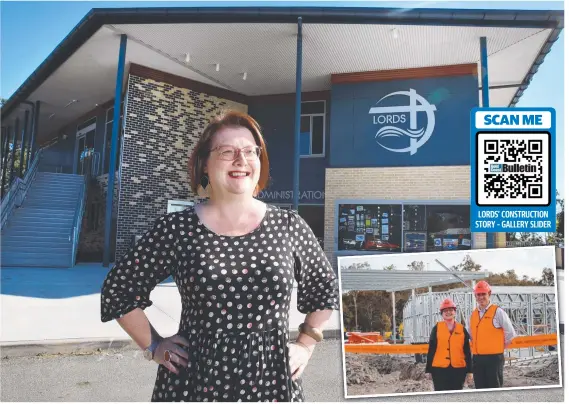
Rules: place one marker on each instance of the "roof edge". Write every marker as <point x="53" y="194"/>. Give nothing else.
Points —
<point x="545" y="49"/>
<point x="97" y="17"/>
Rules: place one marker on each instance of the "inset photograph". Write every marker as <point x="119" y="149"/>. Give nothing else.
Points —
<point x="450" y="321"/>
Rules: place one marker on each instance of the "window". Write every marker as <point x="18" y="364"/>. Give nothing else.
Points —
<point x="370" y="227"/>
<point x="448" y="227"/>
<point x="403" y="227"/>
<point x="108" y="137"/>
<point x="312" y="128"/>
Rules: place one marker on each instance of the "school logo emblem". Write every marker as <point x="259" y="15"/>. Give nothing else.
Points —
<point x="410" y="136"/>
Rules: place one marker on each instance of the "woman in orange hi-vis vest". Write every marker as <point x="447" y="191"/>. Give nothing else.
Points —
<point x="449" y="360"/>
<point x="492" y="332"/>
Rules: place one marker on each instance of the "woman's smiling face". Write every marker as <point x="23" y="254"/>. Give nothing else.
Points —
<point x="233" y="166"/>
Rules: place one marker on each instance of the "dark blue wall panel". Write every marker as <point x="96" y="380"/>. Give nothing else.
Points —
<point x="276" y="118"/>
<point x="385" y="137"/>
<point x="59" y="157"/>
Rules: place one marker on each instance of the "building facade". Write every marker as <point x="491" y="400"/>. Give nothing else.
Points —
<point x="384" y="155"/>
<point x="361" y="190"/>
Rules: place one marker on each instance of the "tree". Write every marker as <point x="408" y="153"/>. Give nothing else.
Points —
<point x="416" y="266"/>
<point x="357" y="265"/>
<point x="467" y="264"/>
<point x="390" y="268"/>
<point x="547" y="277"/>
<point x="560" y="217"/>
<point x="385" y="322"/>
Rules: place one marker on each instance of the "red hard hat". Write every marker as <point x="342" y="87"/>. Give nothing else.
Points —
<point x="482" y="287"/>
<point x="447" y="303"/>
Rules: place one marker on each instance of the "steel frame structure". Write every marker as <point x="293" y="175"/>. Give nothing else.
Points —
<point x="532" y="310"/>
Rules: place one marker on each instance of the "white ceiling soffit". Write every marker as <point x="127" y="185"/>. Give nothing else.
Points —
<point x="500" y="97"/>
<point x="267" y="52"/>
<point x="89" y="76"/>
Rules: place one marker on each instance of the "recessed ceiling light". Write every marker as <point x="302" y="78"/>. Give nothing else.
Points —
<point x="217" y="67"/>
<point x="245" y="76"/>
<point x="395" y="33"/>
<point x="187" y="58"/>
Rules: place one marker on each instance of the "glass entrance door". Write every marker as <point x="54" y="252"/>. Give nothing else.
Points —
<point x="80" y="149"/>
<point x="85" y="141"/>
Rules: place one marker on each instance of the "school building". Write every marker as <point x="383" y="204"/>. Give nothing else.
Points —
<point x="378" y="101"/>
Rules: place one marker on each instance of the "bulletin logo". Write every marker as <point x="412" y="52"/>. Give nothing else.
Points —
<point x="406" y="117"/>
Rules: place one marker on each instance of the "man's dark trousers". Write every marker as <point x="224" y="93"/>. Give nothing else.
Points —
<point x="488" y="371"/>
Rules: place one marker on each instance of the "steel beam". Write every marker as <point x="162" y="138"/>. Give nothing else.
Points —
<point x="113" y="152"/>
<point x="35" y="128"/>
<point x="298" y="106"/>
<point x="23" y="145"/>
<point x="15" y="141"/>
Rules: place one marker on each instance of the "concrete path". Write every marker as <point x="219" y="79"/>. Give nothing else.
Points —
<point x="47" y="305"/>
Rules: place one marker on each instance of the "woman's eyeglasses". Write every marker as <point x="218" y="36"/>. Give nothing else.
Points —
<point x="231" y="153"/>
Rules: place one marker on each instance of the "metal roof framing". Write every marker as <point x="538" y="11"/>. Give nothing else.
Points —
<point x="398" y="280"/>
<point x="96" y="18"/>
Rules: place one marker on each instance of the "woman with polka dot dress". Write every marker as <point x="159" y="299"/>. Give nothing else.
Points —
<point x="235" y="261"/>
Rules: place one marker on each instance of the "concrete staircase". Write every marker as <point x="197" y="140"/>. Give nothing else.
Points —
<point x="39" y="232"/>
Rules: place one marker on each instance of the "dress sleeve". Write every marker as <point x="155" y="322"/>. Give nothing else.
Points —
<point x="317" y="281"/>
<point x="128" y="284"/>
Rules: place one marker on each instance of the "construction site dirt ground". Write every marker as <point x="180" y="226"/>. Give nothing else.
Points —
<point x="368" y="374"/>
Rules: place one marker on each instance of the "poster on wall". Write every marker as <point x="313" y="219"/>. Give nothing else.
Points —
<point x="415" y="241"/>
<point x="450" y="243"/>
<point x="377" y="224"/>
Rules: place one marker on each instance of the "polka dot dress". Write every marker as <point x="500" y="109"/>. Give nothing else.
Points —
<point x="236" y="294"/>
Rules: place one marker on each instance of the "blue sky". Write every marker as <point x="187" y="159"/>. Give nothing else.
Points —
<point x="31" y="30"/>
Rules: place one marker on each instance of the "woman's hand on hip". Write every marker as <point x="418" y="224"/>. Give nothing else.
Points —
<point x="170" y="353"/>
<point x="298" y="357"/>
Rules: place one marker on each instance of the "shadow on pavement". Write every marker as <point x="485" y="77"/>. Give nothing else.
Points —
<point x="56" y="283"/>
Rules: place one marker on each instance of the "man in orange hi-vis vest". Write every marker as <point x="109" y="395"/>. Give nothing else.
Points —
<point x="492" y="332"/>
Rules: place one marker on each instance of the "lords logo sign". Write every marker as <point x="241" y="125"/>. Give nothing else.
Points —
<point x="406" y="119"/>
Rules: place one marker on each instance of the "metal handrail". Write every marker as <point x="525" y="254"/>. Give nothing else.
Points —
<point x="78" y="218"/>
<point x="77" y="221"/>
<point x="19" y="189"/>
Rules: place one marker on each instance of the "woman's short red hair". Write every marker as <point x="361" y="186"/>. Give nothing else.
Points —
<point x="201" y="152"/>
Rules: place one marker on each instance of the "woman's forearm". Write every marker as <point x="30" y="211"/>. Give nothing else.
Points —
<point x="317" y="319"/>
<point x="138" y="327"/>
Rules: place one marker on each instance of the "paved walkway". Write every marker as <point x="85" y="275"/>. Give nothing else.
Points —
<point x="44" y="305"/>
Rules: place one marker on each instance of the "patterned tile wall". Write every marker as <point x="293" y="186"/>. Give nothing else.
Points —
<point x="163" y="123"/>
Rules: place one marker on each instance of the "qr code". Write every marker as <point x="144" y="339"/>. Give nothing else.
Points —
<point x="513" y="169"/>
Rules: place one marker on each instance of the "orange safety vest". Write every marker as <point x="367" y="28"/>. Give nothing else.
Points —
<point x="486" y="338"/>
<point x="450" y="347"/>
